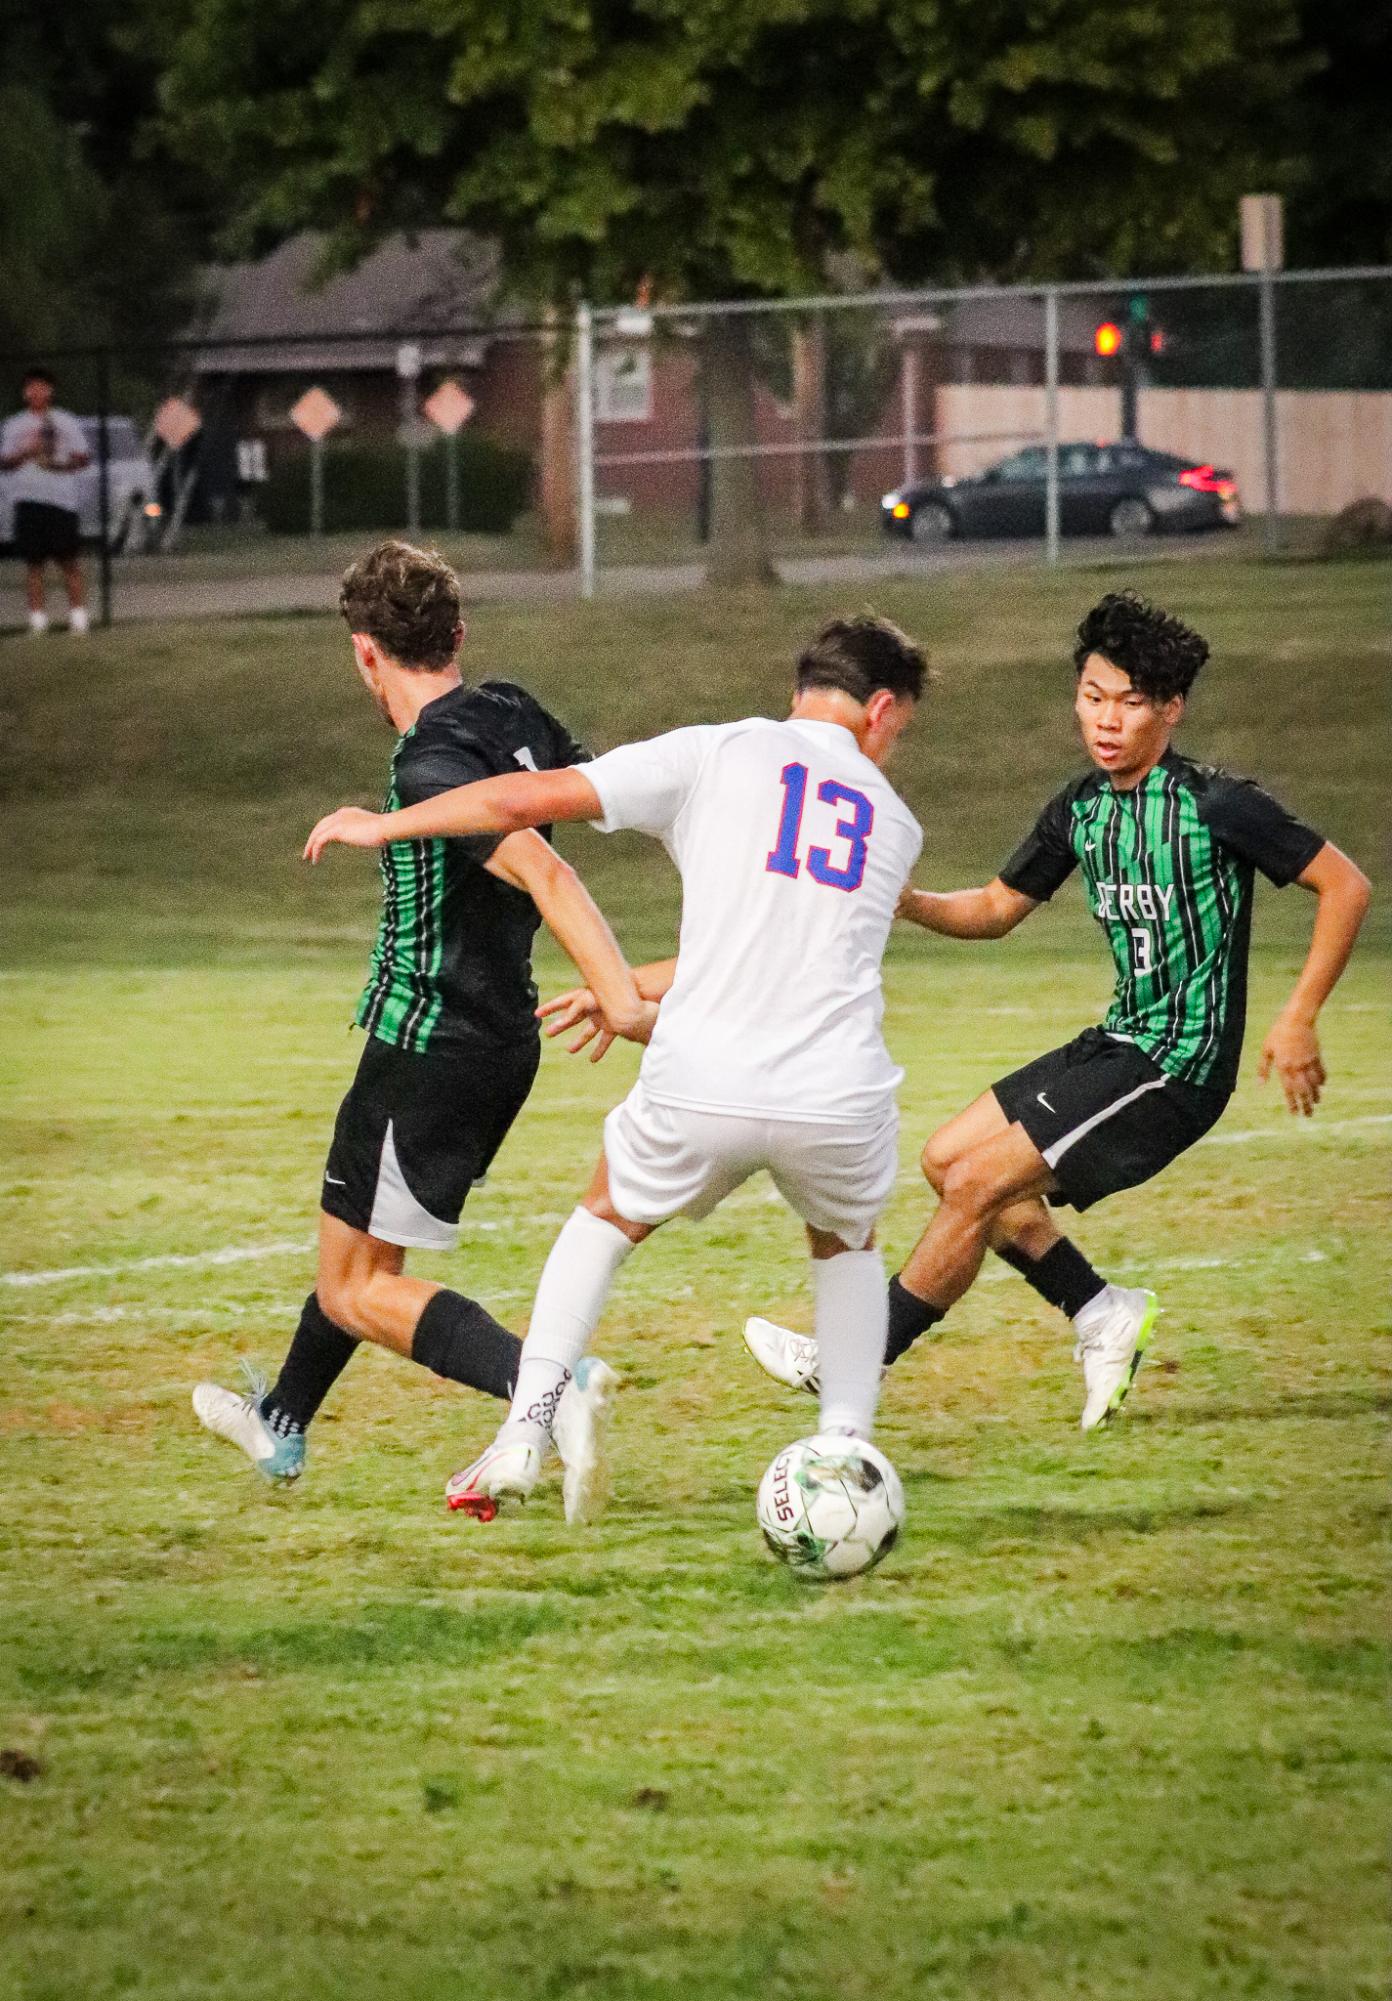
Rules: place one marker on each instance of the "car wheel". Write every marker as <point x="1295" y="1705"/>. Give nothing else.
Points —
<point x="1131" y="516"/>
<point x="931" y="522"/>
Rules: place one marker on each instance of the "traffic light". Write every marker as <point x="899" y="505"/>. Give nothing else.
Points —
<point x="1108" y="339"/>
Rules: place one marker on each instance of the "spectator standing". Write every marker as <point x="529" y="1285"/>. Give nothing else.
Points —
<point x="44" y="448"/>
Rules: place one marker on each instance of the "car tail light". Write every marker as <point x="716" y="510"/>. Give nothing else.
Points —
<point x="1203" y="479"/>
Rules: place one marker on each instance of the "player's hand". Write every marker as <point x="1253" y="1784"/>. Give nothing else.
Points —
<point x="640" y="1028"/>
<point x="351" y="826"/>
<point x="1292" y="1050"/>
<point x="579" y="1010"/>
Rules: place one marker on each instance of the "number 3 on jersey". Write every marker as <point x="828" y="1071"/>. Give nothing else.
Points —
<point x="855" y="831"/>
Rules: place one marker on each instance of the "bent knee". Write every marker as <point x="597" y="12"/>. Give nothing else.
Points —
<point x="973" y="1185"/>
<point x="344" y="1300"/>
<point x="935" y="1160"/>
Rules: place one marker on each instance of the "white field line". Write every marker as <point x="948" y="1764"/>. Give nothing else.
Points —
<point x="236" y="1254"/>
<point x="1297" y="1129"/>
<point x="268" y="1311"/>
<point x="230" y="1254"/>
<point x="1300" y="1132"/>
<point x="233" y="1254"/>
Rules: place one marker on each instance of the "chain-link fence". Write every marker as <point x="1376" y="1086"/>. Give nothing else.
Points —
<point x="940" y="425"/>
<point x="643" y="447"/>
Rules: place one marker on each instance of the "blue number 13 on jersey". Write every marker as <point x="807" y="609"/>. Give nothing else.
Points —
<point x="855" y="831"/>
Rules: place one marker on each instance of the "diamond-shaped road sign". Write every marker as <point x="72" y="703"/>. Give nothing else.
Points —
<point x="315" y="414"/>
<point x="448" y="407"/>
<point x="176" y="422"/>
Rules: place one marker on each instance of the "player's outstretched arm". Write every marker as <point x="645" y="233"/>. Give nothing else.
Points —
<point x="1292" y="1046"/>
<point x="966" y="913"/>
<point x="578" y="925"/>
<point x="489" y="806"/>
<point x="580" y="1010"/>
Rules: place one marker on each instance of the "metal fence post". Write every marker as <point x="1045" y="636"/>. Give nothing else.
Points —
<point x="1051" y="389"/>
<point x="104" y="483"/>
<point x="408" y="368"/>
<point x="584" y="444"/>
<point x="1267" y="298"/>
<point x="316" y="486"/>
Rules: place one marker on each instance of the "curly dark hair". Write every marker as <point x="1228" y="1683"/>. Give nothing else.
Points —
<point x="1160" y="652"/>
<point x="862" y="654"/>
<point x="407" y="599"/>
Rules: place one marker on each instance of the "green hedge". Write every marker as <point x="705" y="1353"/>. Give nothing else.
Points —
<point x="365" y="487"/>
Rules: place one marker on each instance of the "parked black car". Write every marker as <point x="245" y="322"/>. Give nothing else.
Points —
<point x="1104" y="489"/>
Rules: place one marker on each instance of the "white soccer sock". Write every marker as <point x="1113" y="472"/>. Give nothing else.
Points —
<point x="575" y="1283"/>
<point x="78" y="620"/>
<point x="852" y="1326"/>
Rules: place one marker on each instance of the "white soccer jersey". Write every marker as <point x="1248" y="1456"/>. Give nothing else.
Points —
<point x="793" y="848"/>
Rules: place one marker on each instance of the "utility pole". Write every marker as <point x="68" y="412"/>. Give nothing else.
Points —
<point x="1263" y="251"/>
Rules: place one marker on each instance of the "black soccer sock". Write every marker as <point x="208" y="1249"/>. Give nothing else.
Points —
<point x="319" y="1354"/>
<point x="460" y="1340"/>
<point x="1062" y="1276"/>
<point x="909" y="1316"/>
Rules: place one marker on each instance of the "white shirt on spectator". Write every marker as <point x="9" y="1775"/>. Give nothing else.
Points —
<point x="44" y="479"/>
<point x="792" y="848"/>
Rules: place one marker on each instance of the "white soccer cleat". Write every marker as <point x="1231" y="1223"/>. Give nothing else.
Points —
<point x="1112" y="1352"/>
<point x="239" y="1421"/>
<point x="579" y="1434"/>
<point x="787" y="1357"/>
<point x="507" y="1471"/>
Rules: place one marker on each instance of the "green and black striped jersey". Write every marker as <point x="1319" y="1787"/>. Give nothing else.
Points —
<point x="1168" y="869"/>
<point x="452" y="965"/>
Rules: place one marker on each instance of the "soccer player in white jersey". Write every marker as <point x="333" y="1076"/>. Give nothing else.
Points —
<point x="767" y="1049"/>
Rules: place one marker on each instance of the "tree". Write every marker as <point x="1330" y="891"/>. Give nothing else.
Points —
<point x="735" y="149"/>
<point x="1340" y="210"/>
<point x="96" y="242"/>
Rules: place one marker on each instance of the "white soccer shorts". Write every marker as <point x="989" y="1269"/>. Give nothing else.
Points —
<point x="668" y="1160"/>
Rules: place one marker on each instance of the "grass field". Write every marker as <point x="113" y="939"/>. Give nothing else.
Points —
<point x="1111" y="1721"/>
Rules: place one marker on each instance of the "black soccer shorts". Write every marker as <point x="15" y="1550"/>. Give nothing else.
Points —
<point x="415" y="1132"/>
<point x="44" y="533"/>
<point x="1104" y="1116"/>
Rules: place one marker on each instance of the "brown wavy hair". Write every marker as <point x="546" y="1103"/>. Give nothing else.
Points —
<point x="407" y="599"/>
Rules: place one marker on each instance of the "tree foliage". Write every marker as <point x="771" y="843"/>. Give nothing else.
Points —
<point x="97" y="241"/>
<point x="736" y="147"/>
<point x="1341" y="207"/>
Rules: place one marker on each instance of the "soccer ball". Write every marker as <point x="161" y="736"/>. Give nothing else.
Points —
<point x="830" y="1506"/>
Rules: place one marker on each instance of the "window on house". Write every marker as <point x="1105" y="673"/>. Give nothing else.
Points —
<point x="623" y="386"/>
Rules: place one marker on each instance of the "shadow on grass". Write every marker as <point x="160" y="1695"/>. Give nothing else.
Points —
<point x="1296" y="1409"/>
<point x="1049" y="1527"/>
<point x="384" y="1636"/>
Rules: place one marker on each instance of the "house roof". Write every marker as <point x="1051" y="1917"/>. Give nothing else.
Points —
<point x="417" y="289"/>
<point x="1008" y="322"/>
<point x="275" y="315"/>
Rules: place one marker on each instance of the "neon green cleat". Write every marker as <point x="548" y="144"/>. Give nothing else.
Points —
<point x="1112" y="1351"/>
